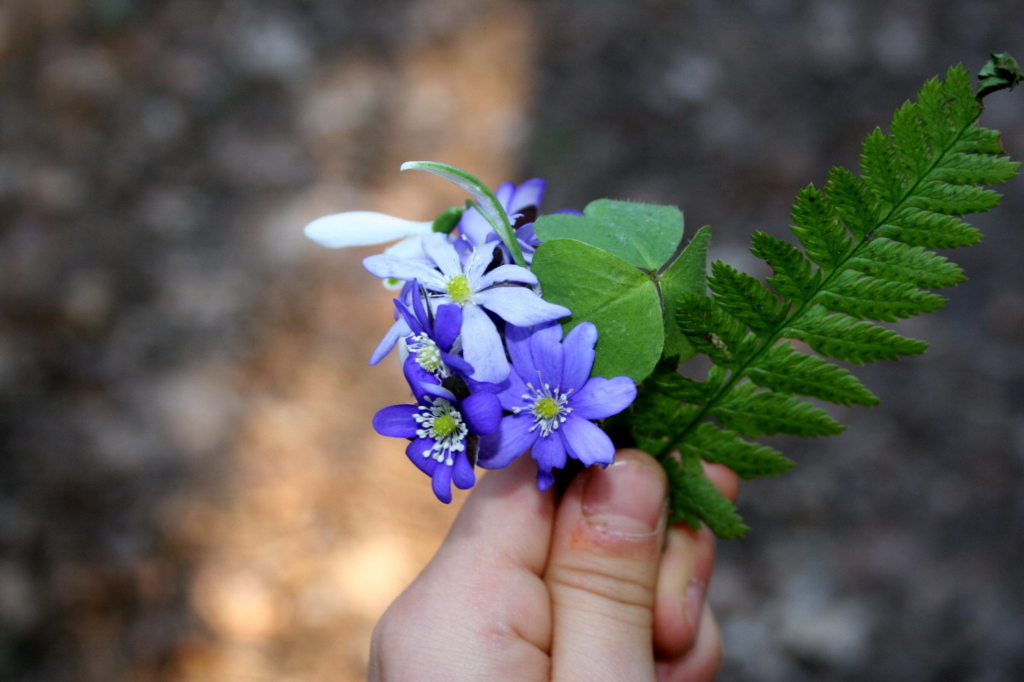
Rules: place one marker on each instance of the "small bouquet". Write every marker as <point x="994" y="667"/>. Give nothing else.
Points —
<point x="485" y="356"/>
<point x="561" y="335"/>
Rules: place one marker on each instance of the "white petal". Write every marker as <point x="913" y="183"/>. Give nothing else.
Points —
<point x="362" y="228"/>
<point x="477" y="263"/>
<point x="399" y="329"/>
<point x="481" y="346"/>
<point x="386" y="266"/>
<point x="410" y="247"/>
<point x="507" y="273"/>
<point x="442" y="253"/>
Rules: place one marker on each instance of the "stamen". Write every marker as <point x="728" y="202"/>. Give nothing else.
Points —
<point x="428" y="355"/>
<point x="442" y="424"/>
<point x="549" y="407"/>
<point x="458" y="289"/>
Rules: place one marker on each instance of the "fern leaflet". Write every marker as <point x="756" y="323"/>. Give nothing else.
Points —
<point x="867" y="257"/>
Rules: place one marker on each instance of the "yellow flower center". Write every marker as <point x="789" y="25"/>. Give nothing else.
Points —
<point x="549" y="407"/>
<point x="458" y="289"/>
<point x="444" y="426"/>
<point x="441" y="422"/>
<point x="428" y="355"/>
<point x="546" y="408"/>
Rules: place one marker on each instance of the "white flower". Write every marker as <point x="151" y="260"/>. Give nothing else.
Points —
<point x="473" y="288"/>
<point x="365" y="228"/>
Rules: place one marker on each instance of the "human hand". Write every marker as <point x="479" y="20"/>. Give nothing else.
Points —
<point x="591" y="587"/>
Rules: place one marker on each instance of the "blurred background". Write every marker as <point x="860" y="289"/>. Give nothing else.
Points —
<point x="189" y="485"/>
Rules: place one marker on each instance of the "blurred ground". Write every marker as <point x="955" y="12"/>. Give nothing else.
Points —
<point x="189" y="486"/>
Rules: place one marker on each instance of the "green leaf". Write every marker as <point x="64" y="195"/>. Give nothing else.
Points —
<point x="853" y="202"/>
<point x="674" y="385"/>
<point x="943" y="197"/>
<point x="783" y="368"/>
<point x="939" y="127"/>
<point x="1000" y="72"/>
<point x="880" y="169"/>
<point x="975" y="169"/>
<point x="745" y="298"/>
<point x="844" y="338"/>
<point x="488" y="204"/>
<point x="752" y="413"/>
<point x="909" y="141"/>
<point x="818" y="228"/>
<point x="795" y="277"/>
<point x="979" y="140"/>
<point x="655" y="414"/>
<point x="687" y="275"/>
<point x="695" y="499"/>
<point x="749" y="460"/>
<point x="917" y="227"/>
<point x="606" y="290"/>
<point x="645" y="235"/>
<point x="886" y="259"/>
<point x="964" y="107"/>
<point x="448" y="220"/>
<point x="713" y="331"/>
<point x="868" y="297"/>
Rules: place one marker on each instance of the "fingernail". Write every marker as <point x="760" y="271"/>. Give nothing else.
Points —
<point x="694" y="601"/>
<point x="625" y="498"/>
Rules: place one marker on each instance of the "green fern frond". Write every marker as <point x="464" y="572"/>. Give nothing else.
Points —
<point x="795" y="277"/>
<point x="748" y="459"/>
<point x="872" y="298"/>
<point x="842" y="337"/>
<point x="897" y="262"/>
<point x="867" y="257"/>
<point x="819" y="229"/>
<point x="928" y="229"/>
<point x="782" y="368"/>
<point x="746" y="298"/>
<point x="753" y="413"/>
<point x="694" y="498"/>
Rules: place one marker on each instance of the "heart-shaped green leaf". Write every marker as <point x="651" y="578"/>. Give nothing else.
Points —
<point x="687" y="275"/>
<point x="618" y="298"/>
<point x="645" y="235"/>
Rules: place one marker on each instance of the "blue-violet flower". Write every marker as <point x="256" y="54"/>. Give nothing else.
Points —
<point x="552" y="399"/>
<point x="431" y="343"/>
<point x="521" y="204"/>
<point x="444" y="432"/>
<point x="475" y="289"/>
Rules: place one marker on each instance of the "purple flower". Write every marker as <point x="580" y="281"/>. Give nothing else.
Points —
<point x="521" y="203"/>
<point x="474" y="288"/>
<point x="525" y="234"/>
<point x="432" y="339"/>
<point x="552" y="398"/>
<point x="398" y="330"/>
<point x="444" y="433"/>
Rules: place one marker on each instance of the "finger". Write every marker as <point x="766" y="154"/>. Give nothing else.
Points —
<point x="724" y="478"/>
<point x="602" y="570"/>
<point x="702" y="662"/>
<point x="480" y="607"/>
<point x="684" y="575"/>
<point x="505" y="520"/>
<point x="683" y="580"/>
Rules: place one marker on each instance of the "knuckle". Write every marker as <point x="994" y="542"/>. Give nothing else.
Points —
<point x="618" y="585"/>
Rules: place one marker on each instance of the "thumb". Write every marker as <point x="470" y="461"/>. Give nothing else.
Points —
<point x="603" y="568"/>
